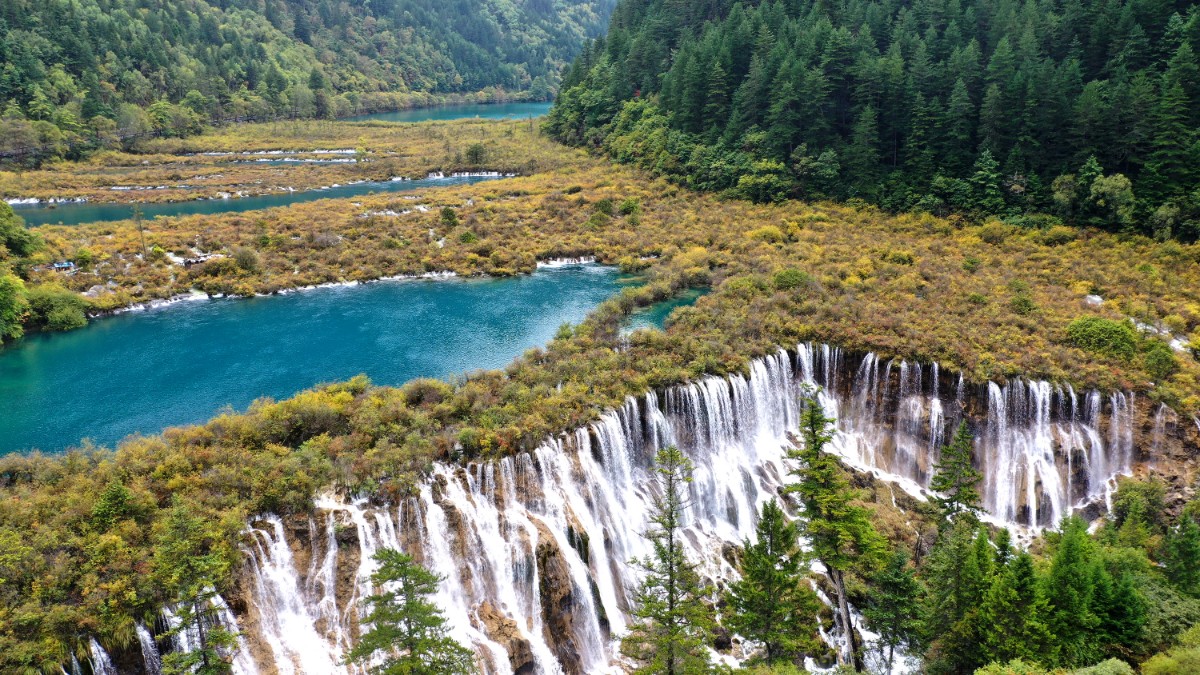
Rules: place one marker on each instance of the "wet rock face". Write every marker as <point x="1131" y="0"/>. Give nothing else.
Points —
<point x="557" y="594"/>
<point x="504" y="632"/>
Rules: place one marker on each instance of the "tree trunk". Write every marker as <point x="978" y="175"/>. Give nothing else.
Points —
<point x="852" y="654"/>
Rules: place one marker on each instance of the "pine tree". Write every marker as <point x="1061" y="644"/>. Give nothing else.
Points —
<point x="407" y="634"/>
<point x="839" y="530"/>
<point x="1013" y="615"/>
<point x="672" y="621"/>
<point x="186" y="558"/>
<point x="891" y="609"/>
<point x="987" y="198"/>
<point x="1069" y="591"/>
<point x="957" y="126"/>
<point x="957" y="574"/>
<point x="955" y="480"/>
<point x="1182" y="559"/>
<point x="861" y="156"/>
<point x="1120" y="608"/>
<point x="1170" y="165"/>
<point x="772" y="604"/>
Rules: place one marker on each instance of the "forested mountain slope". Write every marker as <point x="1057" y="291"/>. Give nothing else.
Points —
<point x="74" y="70"/>
<point x="1083" y="110"/>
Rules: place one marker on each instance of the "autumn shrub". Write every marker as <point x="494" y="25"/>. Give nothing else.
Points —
<point x="1058" y="235"/>
<point x="994" y="232"/>
<point x="246" y="259"/>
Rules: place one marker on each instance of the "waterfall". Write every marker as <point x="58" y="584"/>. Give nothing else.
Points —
<point x="287" y="618"/>
<point x="151" y="659"/>
<point x="534" y="549"/>
<point x="217" y="614"/>
<point x="101" y="663"/>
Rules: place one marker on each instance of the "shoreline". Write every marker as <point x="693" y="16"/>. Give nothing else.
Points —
<point x="37" y="204"/>
<point x="195" y="295"/>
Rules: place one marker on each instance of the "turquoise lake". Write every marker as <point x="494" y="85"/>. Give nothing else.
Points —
<point x="142" y="371"/>
<point x="458" y="112"/>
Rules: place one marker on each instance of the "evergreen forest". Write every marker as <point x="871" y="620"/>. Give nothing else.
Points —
<point x="80" y="74"/>
<point x="1041" y="112"/>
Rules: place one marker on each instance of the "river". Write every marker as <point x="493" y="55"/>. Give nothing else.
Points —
<point x="142" y="371"/>
<point x="77" y="213"/>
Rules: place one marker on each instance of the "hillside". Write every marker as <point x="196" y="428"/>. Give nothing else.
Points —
<point x="81" y="73"/>
<point x="1085" y="112"/>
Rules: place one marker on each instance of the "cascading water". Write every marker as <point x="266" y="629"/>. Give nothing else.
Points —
<point x="151" y="658"/>
<point x="535" y="548"/>
<point x="101" y="663"/>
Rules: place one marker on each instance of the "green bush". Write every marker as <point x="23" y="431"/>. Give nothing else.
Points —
<point x="1109" y="667"/>
<point x="629" y="207"/>
<point x="789" y="278"/>
<point x="53" y="307"/>
<point x="449" y="218"/>
<point x="596" y="221"/>
<point x="1174" y="662"/>
<point x="605" y="206"/>
<point x="1103" y="336"/>
<point x="468" y="237"/>
<point x="1015" y="667"/>
<point x="1023" y="304"/>
<point x="1159" y="359"/>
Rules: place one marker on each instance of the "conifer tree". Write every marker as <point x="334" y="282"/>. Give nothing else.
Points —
<point x="955" y="480"/>
<point x="1013" y="615"/>
<point x="839" y="530"/>
<point x="892" y="607"/>
<point x="186" y="557"/>
<point x="957" y="574"/>
<point x="407" y="634"/>
<point x="1182" y="559"/>
<point x="673" y="623"/>
<point x="772" y="603"/>
<point x="1069" y="589"/>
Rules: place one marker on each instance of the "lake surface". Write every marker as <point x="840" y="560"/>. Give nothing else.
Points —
<point x="656" y="315"/>
<point x="84" y="212"/>
<point x="143" y="371"/>
<point x="457" y="112"/>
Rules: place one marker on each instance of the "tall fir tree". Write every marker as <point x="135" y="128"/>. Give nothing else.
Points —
<point x="955" y="479"/>
<point x="1182" y="555"/>
<point x="772" y="604"/>
<point x="892" y="607"/>
<point x="838" y="528"/>
<point x="1013" y="615"/>
<point x="673" y="622"/>
<point x="1069" y="590"/>
<point x="407" y="633"/>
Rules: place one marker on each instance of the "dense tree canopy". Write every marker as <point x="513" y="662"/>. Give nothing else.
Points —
<point x="1086" y="111"/>
<point x="78" y="73"/>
